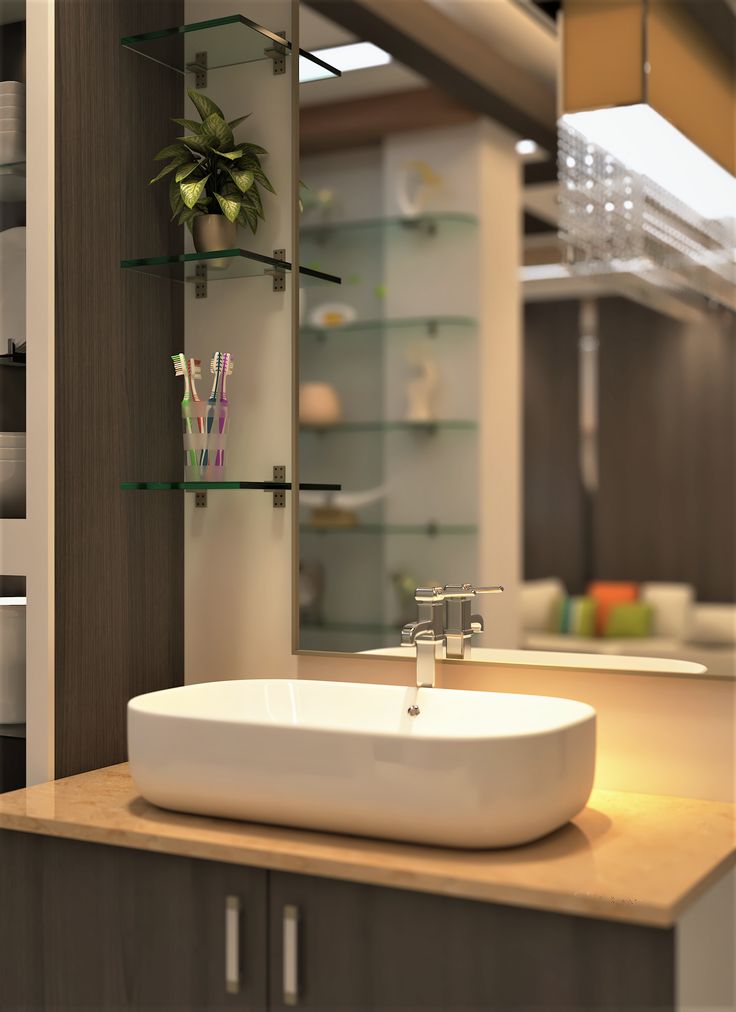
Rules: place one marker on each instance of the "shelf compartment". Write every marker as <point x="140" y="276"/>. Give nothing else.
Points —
<point x="12" y="182"/>
<point x="228" y="42"/>
<point x="12" y="730"/>
<point x="223" y="486"/>
<point x="429" y="530"/>
<point x="431" y="325"/>
<point x="423" y="226"/>
<point x="239" y="263"/>
<point x="422" y="428"/>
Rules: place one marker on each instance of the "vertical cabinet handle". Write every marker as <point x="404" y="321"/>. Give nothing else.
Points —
<point x="291" y="955"/>
<point x="232" y="944"/>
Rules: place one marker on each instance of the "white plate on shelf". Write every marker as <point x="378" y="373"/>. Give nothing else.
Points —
<point x="12" y="286"/>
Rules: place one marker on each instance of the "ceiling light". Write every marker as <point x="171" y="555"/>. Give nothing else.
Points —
<point x="353" y="56"/>
<point x="526" y="148"/>
<point x="645" y="142"/>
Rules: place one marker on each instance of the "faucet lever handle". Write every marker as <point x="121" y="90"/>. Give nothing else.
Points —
<point x="465" y="591"/>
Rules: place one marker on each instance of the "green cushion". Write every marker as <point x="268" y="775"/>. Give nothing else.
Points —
<point x="632" y="619"/>
<point x="575" y="616"/>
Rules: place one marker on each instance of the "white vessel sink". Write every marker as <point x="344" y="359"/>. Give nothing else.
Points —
<point x="472" y="769"/>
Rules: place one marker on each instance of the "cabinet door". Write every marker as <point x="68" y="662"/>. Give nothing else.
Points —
<point x="337" y="945"/>
<point x="106" y="928"/>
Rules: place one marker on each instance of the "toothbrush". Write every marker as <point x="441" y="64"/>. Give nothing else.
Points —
<point x="194" y="372"/>
<point x="221" y="367"/>
<point x="180" y="368"/>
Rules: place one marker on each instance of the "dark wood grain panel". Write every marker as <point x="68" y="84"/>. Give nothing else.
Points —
<point x="105" y="928"/>
<point x="554" y="517"/>
<point x="371" y="949"/>
<point x="667" y="499"/>
<point x="119" y="555"/>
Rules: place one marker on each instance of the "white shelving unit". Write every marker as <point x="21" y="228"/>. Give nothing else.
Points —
<point x="27" y="546"/>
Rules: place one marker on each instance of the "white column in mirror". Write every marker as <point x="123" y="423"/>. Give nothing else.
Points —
<point x="501" y="505"/>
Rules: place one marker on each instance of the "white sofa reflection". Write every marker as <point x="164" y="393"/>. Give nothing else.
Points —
<point x="682" y="628"/>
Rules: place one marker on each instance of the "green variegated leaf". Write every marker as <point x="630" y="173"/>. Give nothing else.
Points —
<point x="231" y="156"/>
<point x="263" y="179"/>
<point x="170" y="151"/>
<point x="189" y="124"/>
<point x="186" y="170"/>
<point x="191" y="192"/>
<point x="230" y="206"/>
<point x="253" y="198"/>
<point x="235" y="122"/>
<point x="253" y="149"/>
<point x="175" y="200"/>
<point x="165" y="171"/>
<point x="216" y="127"/>
<point x="243" y="179"/>
<point x="204" y="106"/>
<point x="198" y="144"/>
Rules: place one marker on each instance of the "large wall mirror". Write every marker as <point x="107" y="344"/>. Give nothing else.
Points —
<point x="508" y="394"/>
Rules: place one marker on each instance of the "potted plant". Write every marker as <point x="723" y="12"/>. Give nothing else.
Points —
<point x="217" y="180"/>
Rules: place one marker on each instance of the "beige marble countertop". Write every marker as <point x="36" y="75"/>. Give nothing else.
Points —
<point x="627" y="857"/>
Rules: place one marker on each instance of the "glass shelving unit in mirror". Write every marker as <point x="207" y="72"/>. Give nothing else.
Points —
<point x="418" y="428"/>
<point x="428" y="530"/>
<point x="230" y="41"/>
<point x="422" y="226"/>
<point x="430" y="326"/>
<point x="222" y="265"/>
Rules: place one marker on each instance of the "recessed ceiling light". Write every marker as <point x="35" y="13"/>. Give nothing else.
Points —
<point x="353" y="56"/>
<point x="526" y="147"/>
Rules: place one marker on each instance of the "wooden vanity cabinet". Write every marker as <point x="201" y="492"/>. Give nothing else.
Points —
<point x="85" y="926"/>
<point x="366" y="948"/>
<point x="88" y="926"/>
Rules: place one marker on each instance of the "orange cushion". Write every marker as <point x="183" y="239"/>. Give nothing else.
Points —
<point x="606" y="596"/>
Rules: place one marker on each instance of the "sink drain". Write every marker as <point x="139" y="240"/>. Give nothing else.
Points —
<point x="413" y="711"/>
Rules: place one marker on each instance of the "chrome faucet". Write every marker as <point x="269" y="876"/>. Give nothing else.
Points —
<point x="427" y="633"/>
<point x="461" y="624"/>
<point x="443" y="620"/>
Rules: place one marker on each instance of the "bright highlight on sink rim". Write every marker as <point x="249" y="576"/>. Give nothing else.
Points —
<point x="471" y="769"/>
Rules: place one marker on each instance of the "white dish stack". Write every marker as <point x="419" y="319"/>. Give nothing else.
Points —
<point x="12" y="660"/>
<point x="12" y="122"/>
<point x="12" y="475"/>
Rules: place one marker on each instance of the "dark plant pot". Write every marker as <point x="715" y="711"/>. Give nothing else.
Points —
<point x="213" y="232"/>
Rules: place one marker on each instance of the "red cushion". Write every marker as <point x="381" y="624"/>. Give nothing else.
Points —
<point x="606" y="596"/>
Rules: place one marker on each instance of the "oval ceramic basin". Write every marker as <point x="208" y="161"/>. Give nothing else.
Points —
<point x="471" y="769"/>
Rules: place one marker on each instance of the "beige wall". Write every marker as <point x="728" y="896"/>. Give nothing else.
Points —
<point x="656" y="734"/>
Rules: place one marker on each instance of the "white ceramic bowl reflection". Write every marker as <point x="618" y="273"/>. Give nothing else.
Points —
<point x="12" y="660"/>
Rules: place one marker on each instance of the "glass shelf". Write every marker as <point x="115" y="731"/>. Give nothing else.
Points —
<point x="423" y="428"/>
<point x="432" y="325"/>
<point x="430" y="530"/>
<point x="216" y="486"/>
<point x="227" y="42"/>
<point x="425" y="225"/>
<point x="15" y="360"/>
<point x="222" y="265"/>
